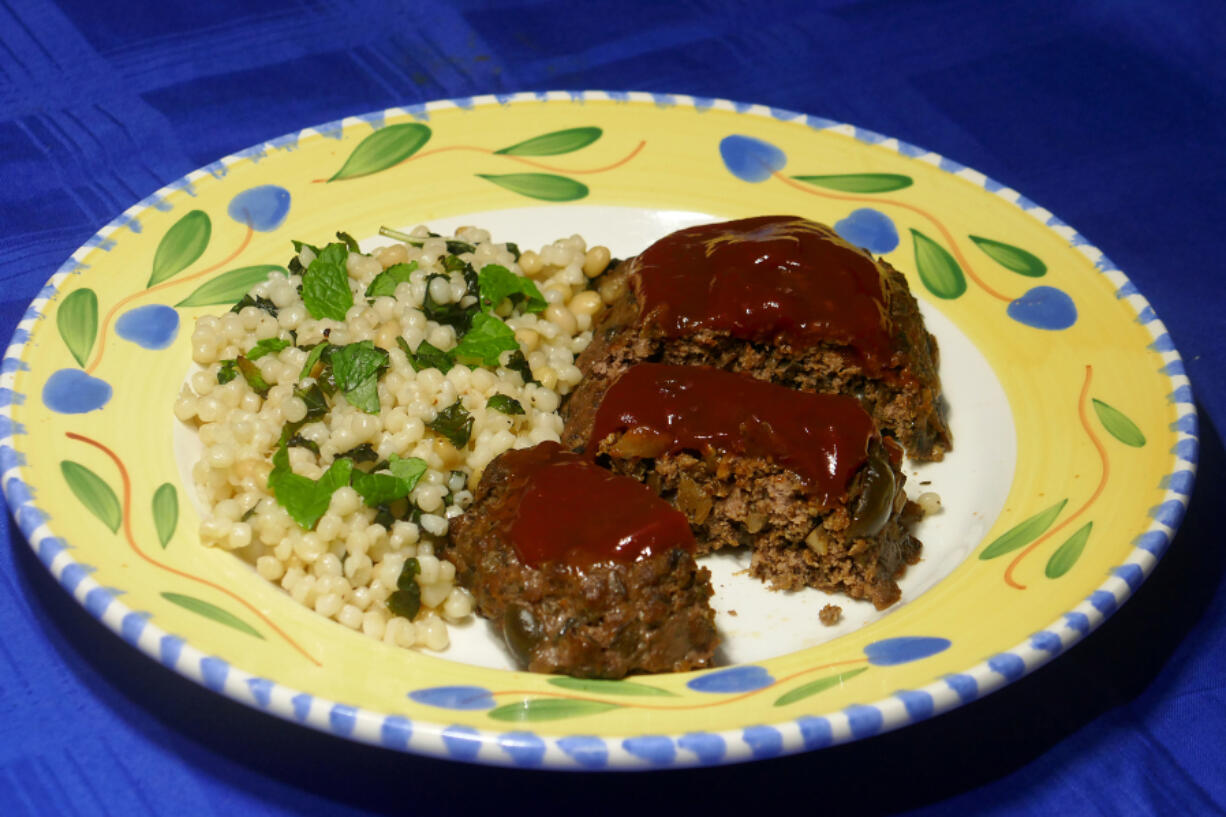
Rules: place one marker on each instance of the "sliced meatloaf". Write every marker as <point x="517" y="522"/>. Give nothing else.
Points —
<point x="782" y="299"/>
<point x="802" y="479"/>
<point x="582" y="571"/>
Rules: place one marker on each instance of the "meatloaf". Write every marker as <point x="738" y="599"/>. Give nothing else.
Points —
<point x="583" y="572"/>
<point x="780" y="298"/>
<point x="805" y="480"/>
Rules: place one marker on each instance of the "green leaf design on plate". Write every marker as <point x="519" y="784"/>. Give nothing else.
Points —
<point x="165" y="512"/>
<point x="386" y="147"/>
<point x="543" y="186"/>
<point x="1067" y="554"/>
<point x="551" y="144"/>
<point x="93" y="492"/>
<point x="1011" y="257"/>
<point x="181" y="246"/>
<point x="859" y="182"/>
<point x="1024" y="532"/>
<point x="937" y="268"/>
<point x="548" y="709"/>
<point x="1118" y="425"/>
<point x="604" y="687"/>
<point x="820" y="685"/>
<point x="229" y="287"/>
<point x="209" y="610"/>
<point x="77" y="320"/>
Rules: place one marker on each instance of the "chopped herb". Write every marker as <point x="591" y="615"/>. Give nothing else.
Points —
<point x="513" y="248"/>
<point x="266" y="347"/>
<point x="409" y="469"/>
<point x="406" y="599"/>
<point x="497" y="282"/>
<point x="298" y="441"/>
<point x="505" y="404"/>
<point x="399" y="236"/>
<point x="385" y="283"/>
<point x="349" y="242"/>
<point x="316" y="403"/>
<point x="356" y="368"/>
<point x="427" y="356"/>
<point x="313" y="357"/>
<point x="251" y="373"/>
<point x="518" y="363"/>
<point x="228" y="371"/>
<point x="250" y="512"/>
<point x="485" y="342"/>
<point x="258" y="302"/>
<point x="325" y="285"/>
<point x="306" y="499"/>
<point x="361" y="453"/>
<point x="455" y="246"/>
<point x="451" y="314"/>
<point x="382" y="489"/>
<point x="384" y="516"/>
<point x="296" y="268"/>
<point x="454" y="423"/>
<point x="298" y="245"/>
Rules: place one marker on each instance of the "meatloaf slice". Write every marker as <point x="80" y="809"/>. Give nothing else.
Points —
<point x="804" y="480"/>
<point x="583" y="572"/>
<point x="782" y="299"/>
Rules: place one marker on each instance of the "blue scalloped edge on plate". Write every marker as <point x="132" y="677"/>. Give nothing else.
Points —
<point x="525" y="749"/>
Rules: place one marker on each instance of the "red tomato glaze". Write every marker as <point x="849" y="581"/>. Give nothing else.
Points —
<point x="823" y="438"/>
<point x="767" y="278"/>
<point x="576" y="513"/>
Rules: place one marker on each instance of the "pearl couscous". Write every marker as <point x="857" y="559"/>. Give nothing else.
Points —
<point x="341" y="430"/>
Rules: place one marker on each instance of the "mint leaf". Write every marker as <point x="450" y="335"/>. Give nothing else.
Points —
<point x="488" y="338"/>
<point x="518" y="363"/>
<point x="251" y="373"/>
<point x="258" y="302"/>
<point x="409" y="469"/>
<point x="298" y="245"/>
<point x="325" y="284"/>
<point x="266" y="347"/>
<point x="454" y="423"/>
<point x="227" y="372"/>
<point x="356" y="368"/>
<point x="505" y="403"/>
<point x="361" y="453"/>
<point x="497" y="282"/>
<point x="317" y="351"/>
<point x="385" y="283"/>
<point x="382" y="489"/>
<point x="316" y="403"/>
<point x="304" y="498"/>
<point x="427" y="356"/>
<point x="406" y="599"/>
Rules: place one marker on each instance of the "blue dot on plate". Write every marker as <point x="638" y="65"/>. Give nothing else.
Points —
<point x="263" y="207"/>
<point x="72" y="391"/>
<point x="750" y="159"/>
<point x="891" y="651"/>
<point x="656" y="749"/>
<point x="1044" y="308"/>
<point x="868" y="228"/>
<point x="454" y="697"/>
<point x="733" y="679"/>
<point x="150" y="327"/>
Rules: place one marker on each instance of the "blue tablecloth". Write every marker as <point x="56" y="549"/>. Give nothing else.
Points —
<point x="1110" y="113"/>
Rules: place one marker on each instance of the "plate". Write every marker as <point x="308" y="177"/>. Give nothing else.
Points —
<point x="1075" y="429"/>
